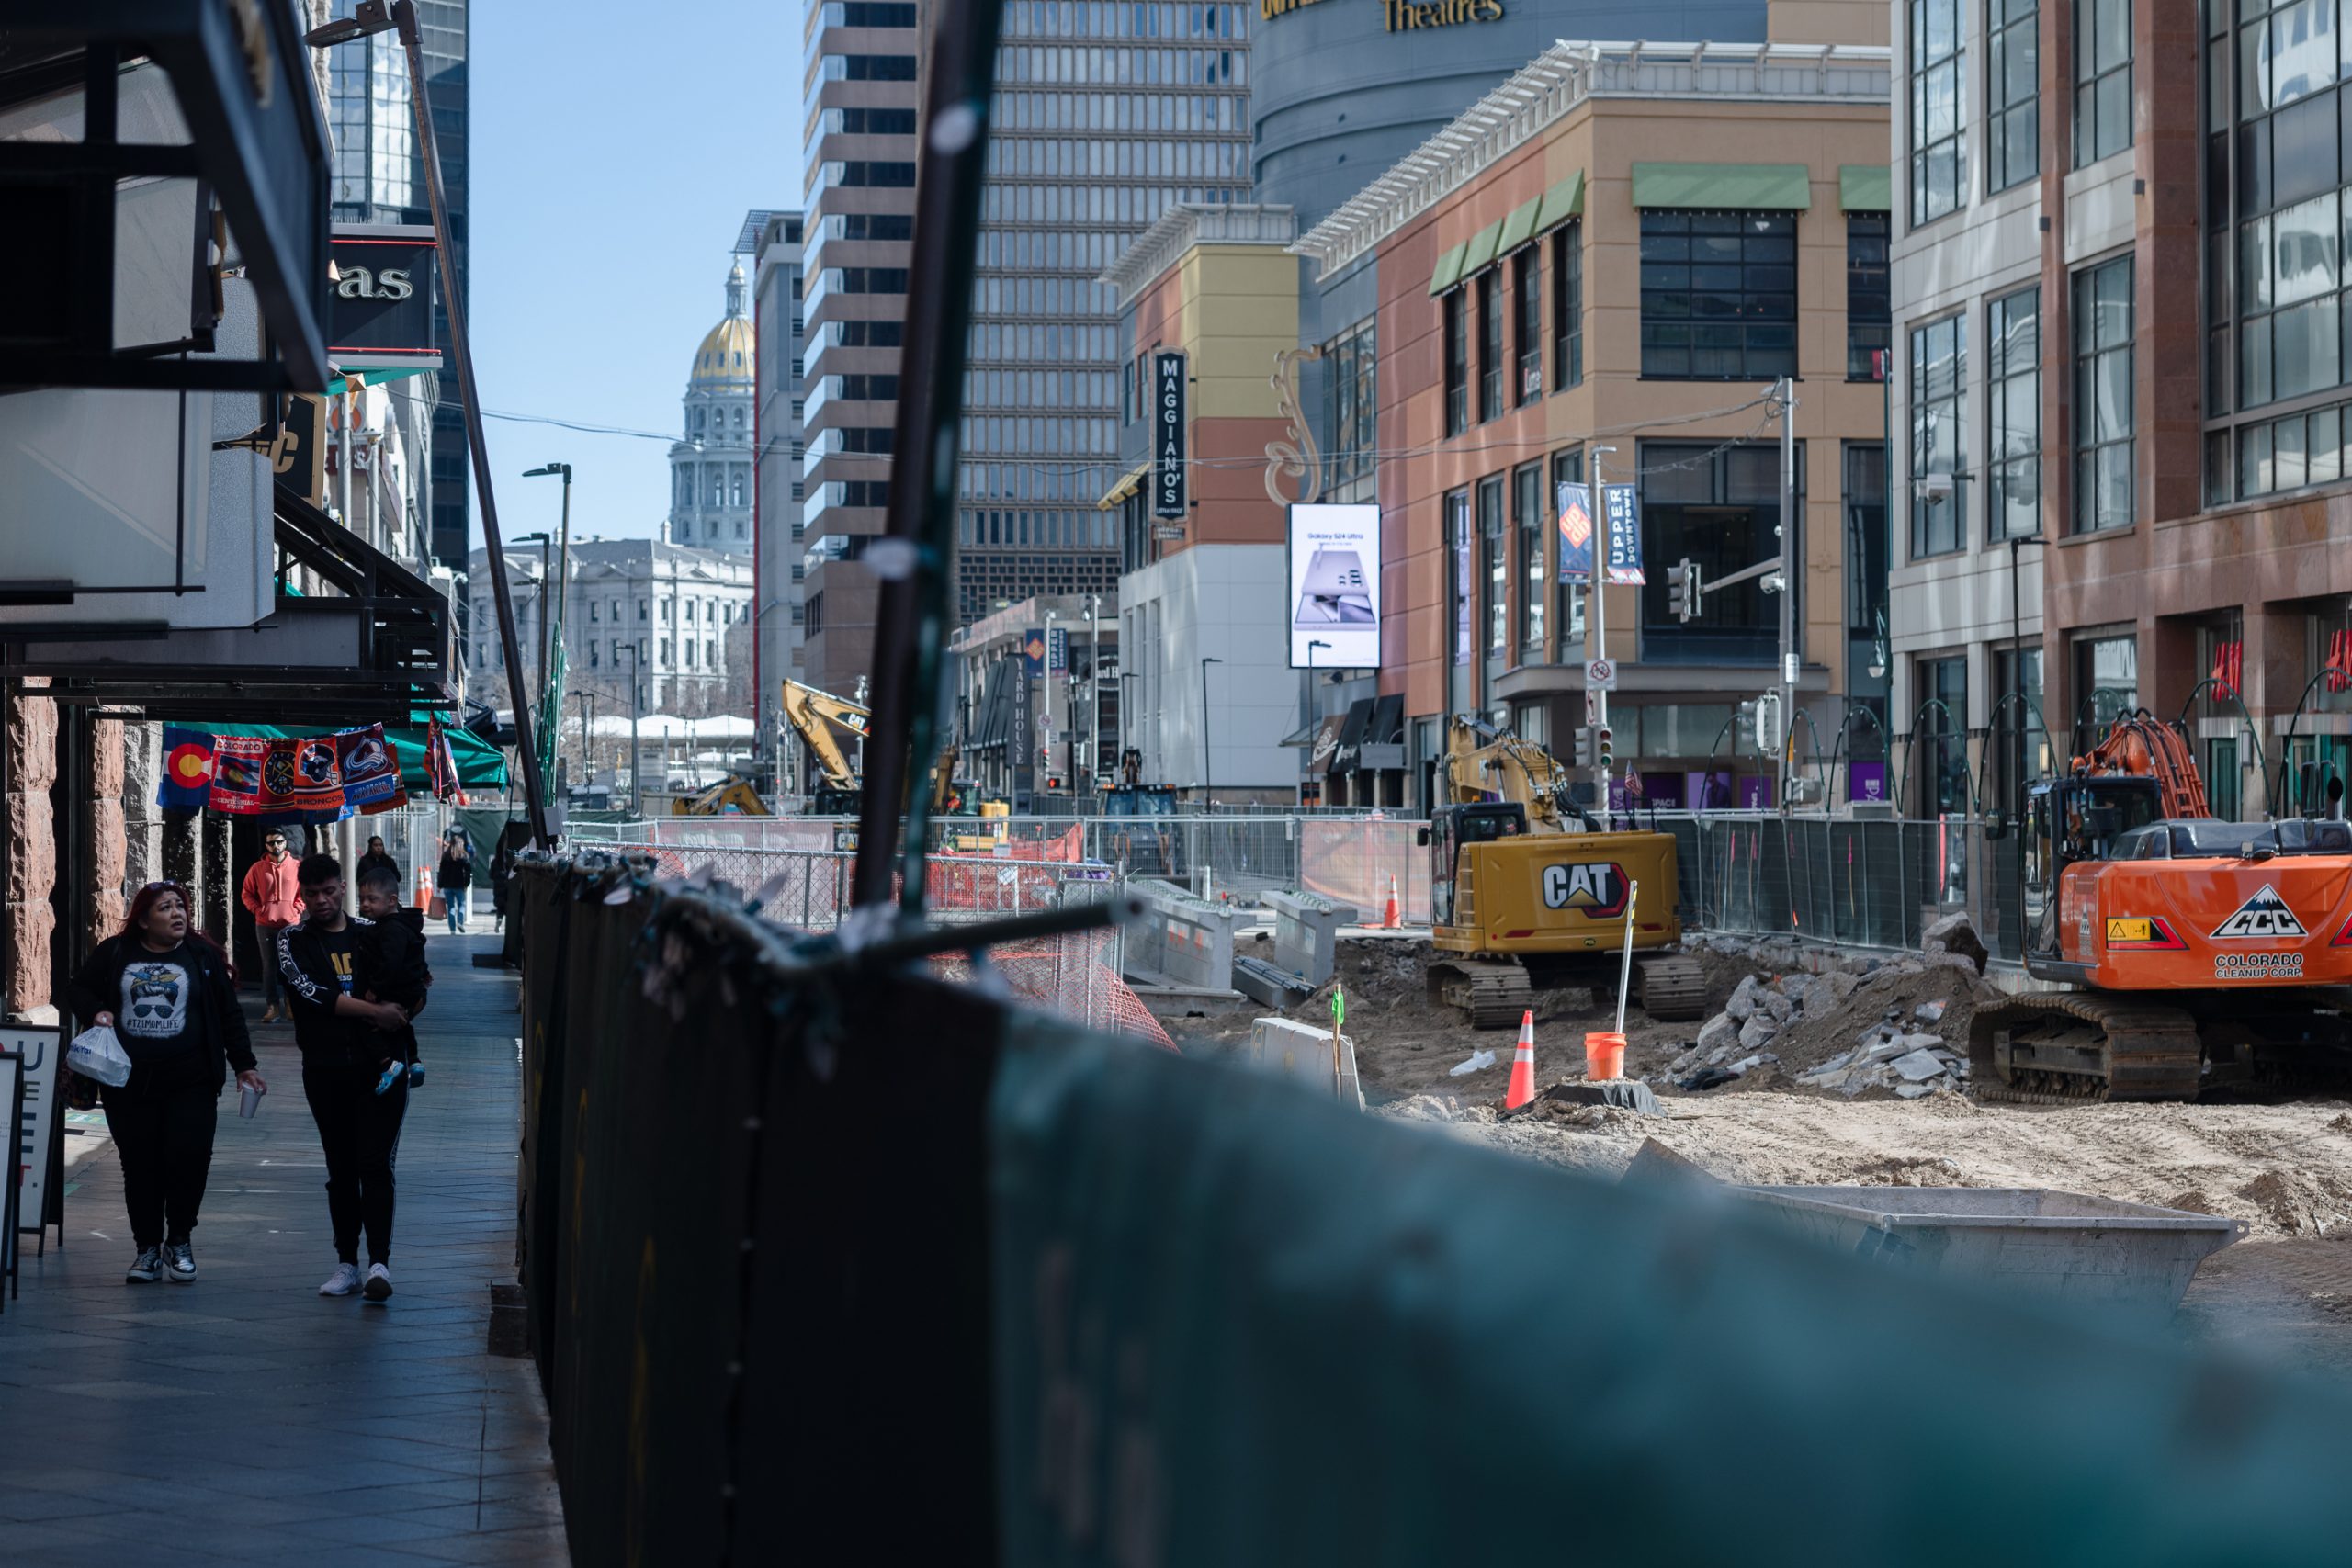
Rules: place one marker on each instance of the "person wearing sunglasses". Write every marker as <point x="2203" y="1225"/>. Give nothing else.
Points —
<point x="272" y="894"/>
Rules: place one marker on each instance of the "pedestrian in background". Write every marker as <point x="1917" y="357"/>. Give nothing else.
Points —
<point x="455" y="881"/>
<point x="273" y="895"/>
<point x="170" y="994"/>
<point x="376" y="856"/>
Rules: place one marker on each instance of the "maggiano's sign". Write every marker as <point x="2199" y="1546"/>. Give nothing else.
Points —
<point x="381" y="297"/>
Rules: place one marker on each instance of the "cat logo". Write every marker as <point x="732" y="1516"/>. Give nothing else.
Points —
<point x="2264" y="915"/>
<point x="1596" y="889"/>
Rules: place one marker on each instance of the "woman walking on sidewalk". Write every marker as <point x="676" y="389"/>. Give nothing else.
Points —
<point x="171" y="996"/>
<point x="456" y="880"/>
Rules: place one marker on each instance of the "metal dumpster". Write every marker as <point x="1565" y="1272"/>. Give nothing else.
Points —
<point x="2096" y="1252"/>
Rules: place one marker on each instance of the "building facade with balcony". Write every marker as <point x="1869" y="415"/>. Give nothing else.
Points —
<point x="1622" y="248"/>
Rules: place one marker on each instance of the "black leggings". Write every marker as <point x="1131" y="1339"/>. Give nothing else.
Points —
<point x="162" y="1123"/>
<point x="360" y="1130"/>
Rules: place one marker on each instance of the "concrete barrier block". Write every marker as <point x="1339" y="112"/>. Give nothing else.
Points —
<point x="1182" y="938"/>
<point x="1303" y="1051"/>
<point x="1306" y="933"/>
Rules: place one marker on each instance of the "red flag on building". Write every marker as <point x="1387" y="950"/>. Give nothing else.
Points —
<point x="2229" y="665"/>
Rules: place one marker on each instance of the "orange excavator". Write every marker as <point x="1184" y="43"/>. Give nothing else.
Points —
<point x="2195" y="952"/>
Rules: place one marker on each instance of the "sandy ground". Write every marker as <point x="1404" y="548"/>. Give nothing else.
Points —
<point x="2284" y="1167"/>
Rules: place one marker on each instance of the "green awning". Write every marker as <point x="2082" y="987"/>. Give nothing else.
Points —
<point x="1518" y="227"/>
<point x="1449" y="271"/>
<point x="1728" y="188"/>
<point x="374" y="378"/>
<point x="1480" y="251"/>
<point x="1562" y="202"/>
<point x="480" y="765"/>
<point x="1865" y="187"/>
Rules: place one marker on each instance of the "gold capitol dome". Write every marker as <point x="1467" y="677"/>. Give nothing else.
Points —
<point x="726" y="352"/>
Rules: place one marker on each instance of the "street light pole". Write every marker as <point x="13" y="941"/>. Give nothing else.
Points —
<point x="1791" y="573"/>
<point x="375" y="17"/>
<point x="635" y="796"/>
<point x="1208" y="785"/>
<point x="1596" y="702"/>
<point x="1308" y="716"/>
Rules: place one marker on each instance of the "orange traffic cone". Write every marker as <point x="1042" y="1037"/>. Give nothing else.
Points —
<point x="423" y="889"/>
<point x="1389" y="920"/>
<point x="1523" y="1065"/>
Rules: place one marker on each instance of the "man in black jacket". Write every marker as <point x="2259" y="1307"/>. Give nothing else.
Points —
<point x="341" y="1036"/>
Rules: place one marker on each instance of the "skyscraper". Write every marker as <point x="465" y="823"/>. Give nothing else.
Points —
<point x="863" y="96"/>
<point x="774" y="240"/>
<point x="711" y="463"/>
<point x="379" y="177"/>
<point x="1106" y="115"/>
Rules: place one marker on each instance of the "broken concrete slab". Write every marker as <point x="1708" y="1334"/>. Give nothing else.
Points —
<point x="1918" y="1066"/>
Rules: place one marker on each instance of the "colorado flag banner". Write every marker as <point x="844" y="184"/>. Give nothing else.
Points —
<point x="238" y="761"/>
<point x="186" y="782"/>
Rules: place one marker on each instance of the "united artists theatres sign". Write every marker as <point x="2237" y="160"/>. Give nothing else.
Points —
<point x="1403" y="16"/>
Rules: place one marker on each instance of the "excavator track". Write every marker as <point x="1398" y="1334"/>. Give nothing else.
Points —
<point x="1493" y="993"/>
<point x="1673" y="986"/>
<point x="2066" y="1048"/>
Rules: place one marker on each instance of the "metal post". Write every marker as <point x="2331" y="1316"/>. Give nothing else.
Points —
<point x="1596" y="702"/>
<point x="1208" y="771"/>
<point x="469" y="395"/>
<point x="913" y="557"/>
<point x="1792" y="573"/>
<point x="1094" y="693"/>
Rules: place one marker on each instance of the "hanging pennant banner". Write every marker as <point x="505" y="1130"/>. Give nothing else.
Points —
<point x="1576" y="532"/>
<point x="371" y="776"/>
<point x="317" y="789"/>
<point x="238" y="763"/>
<point x="187" y="784"/>
<point x="1625" y="509"/>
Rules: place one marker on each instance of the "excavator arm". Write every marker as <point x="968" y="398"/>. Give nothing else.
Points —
<point x="2144" y="747"/>
<point x="1483" y="763"/>
<point x="813" y="713"/>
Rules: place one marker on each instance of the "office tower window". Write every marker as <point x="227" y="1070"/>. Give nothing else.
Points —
<point x="1567" y="305"/>
<point x="1457" y="363"/>
<point x="2103" y="400"/>
<point x="2012" y="93"/>
<point x="1938" y="444"/>
<point x="1870" y="322"/>
<point x="1941" y="741"/>
<point x="1350" y="402"/>
<point x="1532" y="518"/>
<point x="1527" y="308"/>
<point x="2013" y="414"/>
<point x="1488" y="286"/>
<point x="1939" y="140"/>
<point x="1719" y="294"/>
<point x="1494" y="548"/>
<point x="2103" y="76"/>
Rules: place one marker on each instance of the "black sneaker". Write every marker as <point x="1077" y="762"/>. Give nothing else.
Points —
<point x="145" y="1268"/>
<point x="179" y="1262"/>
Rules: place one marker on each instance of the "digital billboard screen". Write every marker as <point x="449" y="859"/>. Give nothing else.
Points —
<point x="1334" y="602"/>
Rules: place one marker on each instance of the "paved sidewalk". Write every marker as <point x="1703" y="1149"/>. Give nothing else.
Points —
<point x="245" y="1419"/>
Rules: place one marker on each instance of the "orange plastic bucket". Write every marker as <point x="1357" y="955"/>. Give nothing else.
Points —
<point x="1604" y="1056"/>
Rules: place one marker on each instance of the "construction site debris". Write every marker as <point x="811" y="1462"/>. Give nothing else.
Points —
<point x="1477" y="1059"/>
<point x="1626" y="1094"/>
<point x="1955" y="934"/>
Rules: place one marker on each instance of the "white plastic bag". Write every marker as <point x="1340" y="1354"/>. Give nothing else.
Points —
<point x="96" y="1054"/>
<point x="1477" y="1059"/>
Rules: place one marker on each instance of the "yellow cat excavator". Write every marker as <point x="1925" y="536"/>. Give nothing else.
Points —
<point x="813" y="714"/>
<point x="1526" y="888"/>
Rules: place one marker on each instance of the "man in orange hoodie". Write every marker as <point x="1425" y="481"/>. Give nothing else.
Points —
<point x="273" y="895"/>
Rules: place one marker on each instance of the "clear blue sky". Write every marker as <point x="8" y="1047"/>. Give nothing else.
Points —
<point x="615" y="148"/>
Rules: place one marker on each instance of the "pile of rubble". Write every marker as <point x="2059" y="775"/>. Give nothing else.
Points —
<point x="1899" y="1024"/>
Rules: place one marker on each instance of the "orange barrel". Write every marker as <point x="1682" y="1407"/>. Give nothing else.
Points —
<point x="1604" y="1056"/>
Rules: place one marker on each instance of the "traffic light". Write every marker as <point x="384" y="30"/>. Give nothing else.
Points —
<point x="1683" y="589"/>
<point x="1769" y="720"/>
<point x="1584" y="746"/>
<point x="1605" y="755"/>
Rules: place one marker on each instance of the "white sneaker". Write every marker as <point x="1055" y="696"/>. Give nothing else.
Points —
<point x="342" y="1281"/>
<point x="379" y="1283"/>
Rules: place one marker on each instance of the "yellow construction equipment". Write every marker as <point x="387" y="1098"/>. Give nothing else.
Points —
<point x="732" y="794"/>
<point x="813" y="714"/>
<point x="1526" y="888"/>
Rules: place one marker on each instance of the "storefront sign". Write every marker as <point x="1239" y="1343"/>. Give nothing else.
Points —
<point x="36" y="1052"/>
<point x="381" y="315"/>
<point x="1269" y="9"/>
<point x="298" y="454"/>
<point x="1404" y="16"/>
<point x="1167" y="496"/>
